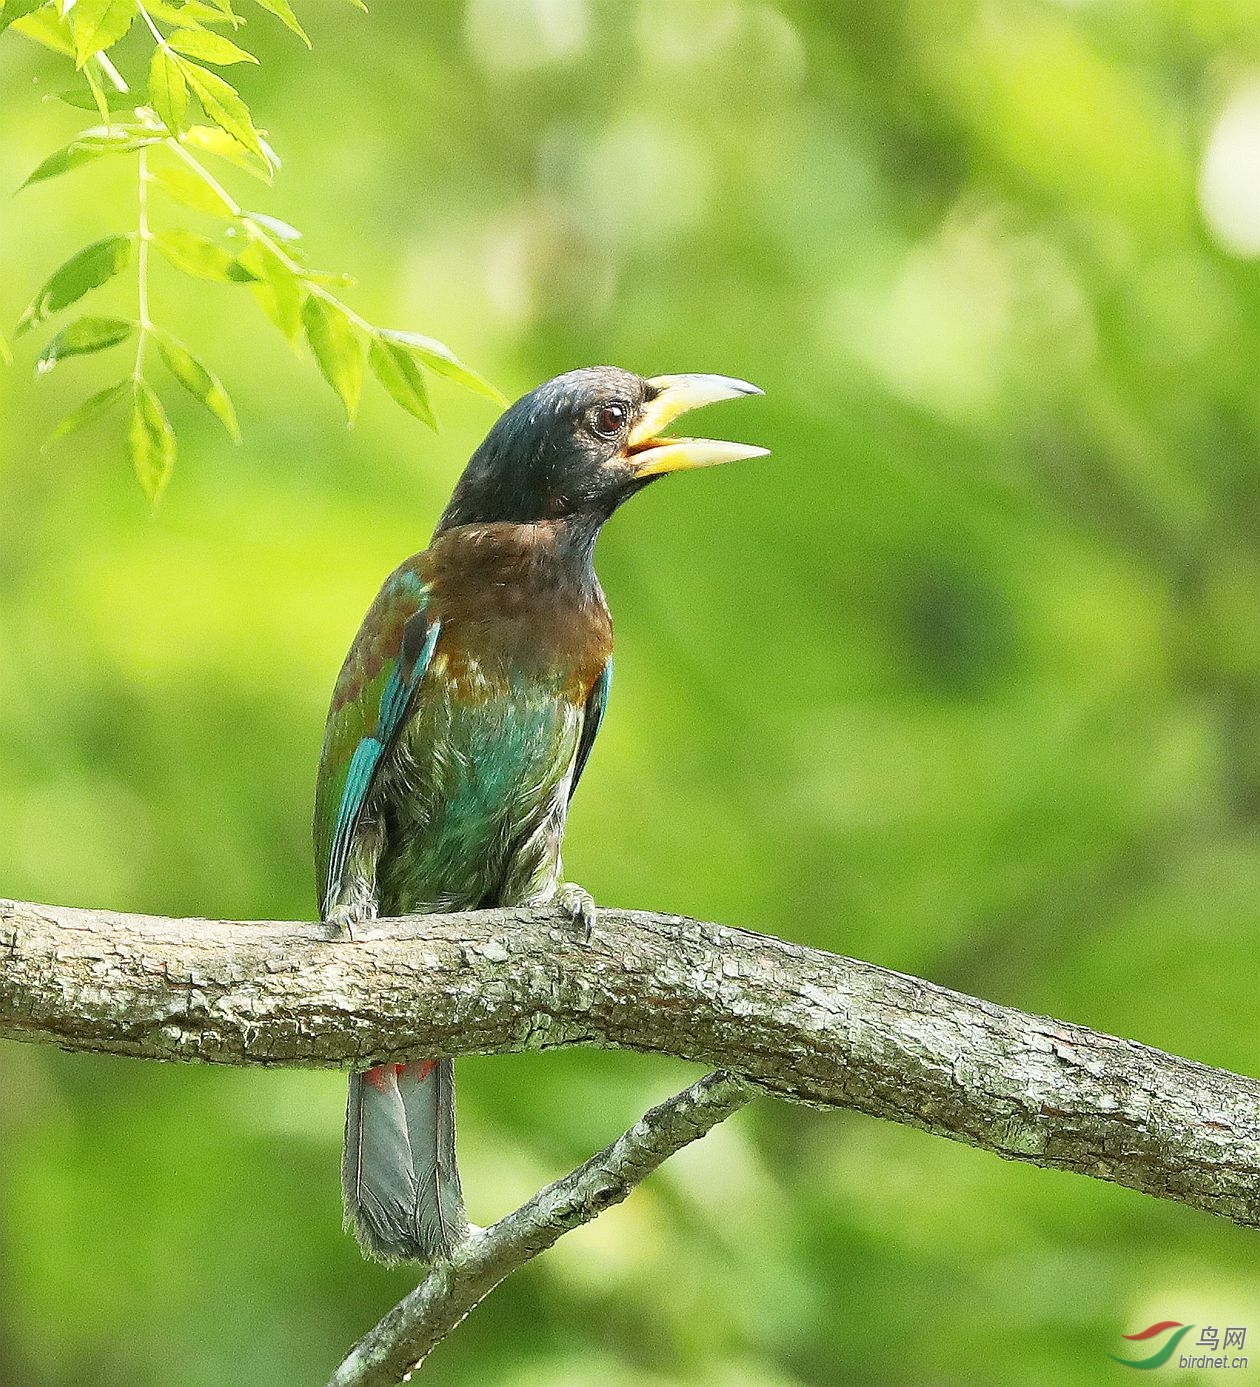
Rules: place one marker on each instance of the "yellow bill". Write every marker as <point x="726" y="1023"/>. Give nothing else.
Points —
<point x="652" y="453"/>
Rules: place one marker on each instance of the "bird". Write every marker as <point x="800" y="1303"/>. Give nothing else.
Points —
<point x="461" y="723"/>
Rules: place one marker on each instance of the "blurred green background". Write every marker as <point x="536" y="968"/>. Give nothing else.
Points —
<point x="965" y="679"/>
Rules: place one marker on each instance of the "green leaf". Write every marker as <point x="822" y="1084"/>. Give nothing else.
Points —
<point x="215" y="141"/>
<point x="151" y="441"/>
<point x="90" y="410"/>
<point x="443" y="362"/>
<point x="48" y="26"/>
<point x="92" y="145"/>
<point x="82" y="336"/>
<point x="190" y="190"/>
<point x="279" y="291"/>
<point x="91" y="267"/>
<point x="6" y="352"/>
<point x="394" y="367"/>
<point x="223" y="105"/>
<point x="200" y="382"/>
<point x="210" y="48"/>
<point x="168" y="90"/>
<point x="284" y="12"/>
<point x="74" y="156"/>
<point x="11" y="10"/>
<point x="337" y="350"/>
<point x="86" y="101"/>
<point x="198" y="256"/>
<point x="98" y="25"/>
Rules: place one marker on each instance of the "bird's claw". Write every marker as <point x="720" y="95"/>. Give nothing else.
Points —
<point x="579" y="905"/>
<point x="343" y="918"/>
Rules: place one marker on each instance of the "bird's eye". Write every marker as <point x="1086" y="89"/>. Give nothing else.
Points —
<point x="609" y="420"/>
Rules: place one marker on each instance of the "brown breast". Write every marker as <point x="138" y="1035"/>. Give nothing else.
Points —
<point x="516" y="602"/>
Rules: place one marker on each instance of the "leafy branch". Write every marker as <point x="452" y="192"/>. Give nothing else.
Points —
<point x="176" y="152"/>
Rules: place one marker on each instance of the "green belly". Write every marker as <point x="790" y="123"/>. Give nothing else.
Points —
<point x="473" y="804"/>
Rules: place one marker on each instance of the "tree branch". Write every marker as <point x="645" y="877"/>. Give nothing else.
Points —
<point x="400" y="1342"/>
<point x="799" y="1023"/>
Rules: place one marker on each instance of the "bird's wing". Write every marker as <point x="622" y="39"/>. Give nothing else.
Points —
<point x="374" y="692"/>
<point x="593" y="715"/>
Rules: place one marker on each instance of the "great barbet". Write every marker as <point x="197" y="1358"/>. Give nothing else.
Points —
<point x="461" y="722"/>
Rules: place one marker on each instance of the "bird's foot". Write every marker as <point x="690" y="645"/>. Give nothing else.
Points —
<point x="579" y="905"/>
<point x="344" y="918"/>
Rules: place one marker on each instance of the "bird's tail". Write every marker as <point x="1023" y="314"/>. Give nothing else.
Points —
<point x="399" y="1176"/>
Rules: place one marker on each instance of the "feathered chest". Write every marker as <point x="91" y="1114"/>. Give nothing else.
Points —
<point x="461" y="721"/>
<point x="518" y="613"/>
<point x="474" y="798"/>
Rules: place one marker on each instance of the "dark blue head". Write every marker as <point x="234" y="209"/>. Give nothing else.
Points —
<point x="580" y="444"/>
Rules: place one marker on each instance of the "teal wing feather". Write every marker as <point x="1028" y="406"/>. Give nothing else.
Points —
<point x="374" y="692"/>
<point x="596" y="703"/>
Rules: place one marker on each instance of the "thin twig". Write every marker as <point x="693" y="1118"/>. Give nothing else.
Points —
<point x="417" y="1324"/>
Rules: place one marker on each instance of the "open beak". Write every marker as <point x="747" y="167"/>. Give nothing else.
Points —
<point x="651" y="454"/>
